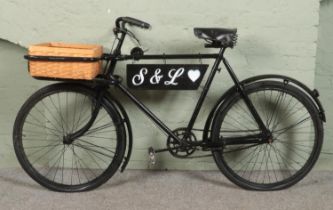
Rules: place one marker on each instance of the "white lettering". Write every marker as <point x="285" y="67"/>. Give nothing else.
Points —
<point x="138" y="79"/>
<point x="155" y="79"/>
<point x="173" y="75"/>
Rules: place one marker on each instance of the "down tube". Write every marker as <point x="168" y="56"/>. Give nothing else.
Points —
<point x="145" y="110"/>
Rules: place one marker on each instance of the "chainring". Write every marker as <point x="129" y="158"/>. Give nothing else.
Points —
<point x="178" y="149"/>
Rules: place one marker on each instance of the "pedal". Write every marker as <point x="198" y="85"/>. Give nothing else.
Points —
<point x="152" y="156"/>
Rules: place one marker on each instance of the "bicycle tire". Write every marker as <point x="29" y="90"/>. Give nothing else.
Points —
<point x="42" y="122"/>
<point x="284" y="170"/>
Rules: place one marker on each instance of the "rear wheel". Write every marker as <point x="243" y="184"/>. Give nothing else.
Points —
<point x="51" y="114"/>
<point x="291" y="152"/>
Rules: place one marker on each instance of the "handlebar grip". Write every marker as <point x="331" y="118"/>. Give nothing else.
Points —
<point x="133" y="21"/>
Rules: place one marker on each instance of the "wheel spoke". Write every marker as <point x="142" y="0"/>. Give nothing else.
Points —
<point x="275" y="162"/>
<point x="52" y="114"/>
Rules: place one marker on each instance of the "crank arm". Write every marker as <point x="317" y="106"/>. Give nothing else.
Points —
<point x="166" y="149"/>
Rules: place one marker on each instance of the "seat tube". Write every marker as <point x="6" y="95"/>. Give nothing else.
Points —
<point x="205" y="91"/>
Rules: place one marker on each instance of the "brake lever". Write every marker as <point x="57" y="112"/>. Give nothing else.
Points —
<point x="133" y="38"/>
<point x="131" y="34"/>
<point x="136" y="41"/>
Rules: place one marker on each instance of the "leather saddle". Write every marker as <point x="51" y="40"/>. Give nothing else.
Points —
<point x="217" y="37"/>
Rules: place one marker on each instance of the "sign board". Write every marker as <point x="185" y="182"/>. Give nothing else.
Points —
<point x="165" y="76"/>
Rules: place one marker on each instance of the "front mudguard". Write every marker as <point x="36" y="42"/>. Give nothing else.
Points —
<point x="313" y="94"/>
<point x="128" y="128"/>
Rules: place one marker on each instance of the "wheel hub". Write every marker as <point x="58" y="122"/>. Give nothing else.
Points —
<point x="270" y="138"/>
<point x="67" y="140"/>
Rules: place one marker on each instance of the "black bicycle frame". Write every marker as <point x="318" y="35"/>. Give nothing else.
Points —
<point x="116" y="56"/>
<point x="112" y="79"/>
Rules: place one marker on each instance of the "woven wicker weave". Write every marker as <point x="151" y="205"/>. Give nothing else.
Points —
<point x="65" y="70"/>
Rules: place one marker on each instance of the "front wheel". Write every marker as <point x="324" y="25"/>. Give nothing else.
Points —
<point x="291" y="152"/>
<point x="53" y="113"/>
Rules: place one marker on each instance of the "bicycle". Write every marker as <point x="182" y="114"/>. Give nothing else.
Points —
<point x="264" y="133"/>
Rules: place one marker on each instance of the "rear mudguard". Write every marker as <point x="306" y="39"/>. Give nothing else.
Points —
<point x="313" y="94"/>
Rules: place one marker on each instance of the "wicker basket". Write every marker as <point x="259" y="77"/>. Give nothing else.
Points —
<point x="64" y="61"/>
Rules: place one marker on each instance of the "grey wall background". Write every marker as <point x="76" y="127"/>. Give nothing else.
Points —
<point x="274" y="37"/>
<point x="324" y="73"/>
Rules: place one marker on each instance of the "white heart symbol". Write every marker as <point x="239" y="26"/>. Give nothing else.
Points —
<point x="193" y="74"/>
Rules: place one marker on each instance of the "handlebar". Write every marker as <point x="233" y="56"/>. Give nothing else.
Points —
<point x="132" y="21"/>
<point x="120" y="28"/>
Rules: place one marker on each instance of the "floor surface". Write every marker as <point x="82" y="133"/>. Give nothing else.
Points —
<point x="136" y="189"/>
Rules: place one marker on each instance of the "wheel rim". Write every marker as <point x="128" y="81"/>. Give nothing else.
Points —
<point x="291" y="147"/>
<point x="84" y="161"/>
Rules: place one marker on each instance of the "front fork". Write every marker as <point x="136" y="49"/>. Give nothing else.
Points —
<point x="70" y="138"/>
